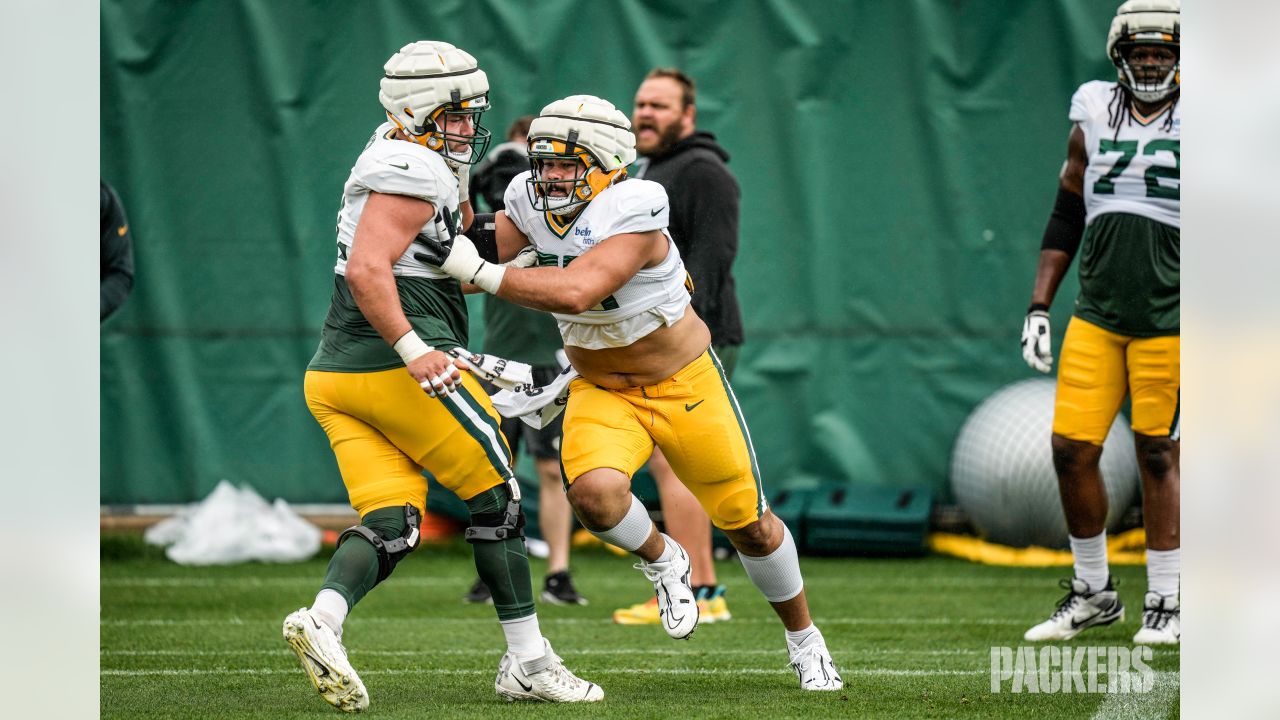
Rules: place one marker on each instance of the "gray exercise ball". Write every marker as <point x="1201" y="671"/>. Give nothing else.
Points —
<point x="1002" y="468"/>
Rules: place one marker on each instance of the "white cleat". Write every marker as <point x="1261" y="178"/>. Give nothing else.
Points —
<point x="320" y="650"/>
<point x="1079" y="610"/>
<point x="813" y="664"/>
<point x="545" y="679"/>
<point x="677" y="606"/>
<point x="1161" y="620"/>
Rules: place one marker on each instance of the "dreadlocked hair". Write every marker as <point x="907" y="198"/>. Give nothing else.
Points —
<point x="1119" y="110"/>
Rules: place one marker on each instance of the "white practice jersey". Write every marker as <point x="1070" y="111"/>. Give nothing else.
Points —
<point x="1135" y="171"/>
<point x="399" y="167"/>
<point x="653" y="297"/>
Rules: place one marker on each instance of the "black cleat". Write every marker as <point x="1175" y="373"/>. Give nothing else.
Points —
<point x="558" y="589"/>
<point x="479" y="593"/>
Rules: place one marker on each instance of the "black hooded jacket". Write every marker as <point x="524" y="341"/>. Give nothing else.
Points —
<point x="116" y="251"/>
<point x="704" y="199"/>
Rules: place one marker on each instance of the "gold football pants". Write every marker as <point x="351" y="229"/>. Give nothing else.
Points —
<point x="693" y="416"/>
<point x="385" y="430"/>
<point x="1098" y="368"/>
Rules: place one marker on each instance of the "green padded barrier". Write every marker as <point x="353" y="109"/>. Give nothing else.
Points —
<point x="867" y="520"/>
<point x="898" y="160"/>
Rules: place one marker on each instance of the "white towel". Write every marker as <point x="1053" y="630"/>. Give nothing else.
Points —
<point x="536" y="406"/>
<point x="506" y="374"/>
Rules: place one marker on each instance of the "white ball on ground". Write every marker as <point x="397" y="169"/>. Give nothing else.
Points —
<point x="1002" y="472"/>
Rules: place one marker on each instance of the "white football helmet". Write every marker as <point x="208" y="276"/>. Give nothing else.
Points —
<point x="428" y="81"/>
<point x="589" y="130"/>
<point x="1146" y="22"/>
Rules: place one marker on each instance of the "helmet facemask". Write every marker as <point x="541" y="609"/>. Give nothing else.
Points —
<point x="588" y="181"/>
<point x="1149" y="82"/>
<point x="433" y="132"/>
<point x="1143" y="24"/>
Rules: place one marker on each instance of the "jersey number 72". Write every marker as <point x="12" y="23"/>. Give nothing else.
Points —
<point x="1128" y="149"/>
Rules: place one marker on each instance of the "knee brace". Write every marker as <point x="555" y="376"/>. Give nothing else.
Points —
<point x="501" y="525"/>
<point x="390" y="550"/>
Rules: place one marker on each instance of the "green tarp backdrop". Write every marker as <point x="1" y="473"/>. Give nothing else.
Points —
<point x="898" y="160"/>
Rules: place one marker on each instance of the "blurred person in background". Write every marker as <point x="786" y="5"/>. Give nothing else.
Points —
<point x="528" y="336"/>
<point x="692" y="167"/>
<point x="1120" y="191"/>
<point x="506" y="160"/>
<point x="116" y="251"/>
<point x="393" y="403"/>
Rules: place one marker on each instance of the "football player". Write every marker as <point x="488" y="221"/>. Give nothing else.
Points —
<point x="1118" y="205"/>
<point x="612" y="277"/>
<point x="393" y="403"/>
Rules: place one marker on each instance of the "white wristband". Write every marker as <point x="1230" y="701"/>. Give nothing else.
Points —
<point x="488" y="277"/>
<point x="410" y="347"/>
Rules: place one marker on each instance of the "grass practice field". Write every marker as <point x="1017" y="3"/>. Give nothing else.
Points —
<point x="912" y="637"/>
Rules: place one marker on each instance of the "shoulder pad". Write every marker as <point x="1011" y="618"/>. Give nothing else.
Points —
<point x="516" y="200"/>
<point x="637" y="206"/>
<point x="1090" y="99"/>
<point x="637" y="194"/>
<point x="409" y="170"/>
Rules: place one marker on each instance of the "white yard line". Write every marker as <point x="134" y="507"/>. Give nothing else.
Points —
<point x="868" y="586"/>
<point x="234" y="620"/>
<point x="497" y="650"/>
<point x="866" y="672"/>
<point x="243" y="582"/>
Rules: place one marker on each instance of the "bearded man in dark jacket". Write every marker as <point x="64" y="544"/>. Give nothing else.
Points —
<point x="704" y="198"/>
<point x="693" y="169"/>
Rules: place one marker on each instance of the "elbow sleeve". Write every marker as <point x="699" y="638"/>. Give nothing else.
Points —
<point x="1066" y="224"/>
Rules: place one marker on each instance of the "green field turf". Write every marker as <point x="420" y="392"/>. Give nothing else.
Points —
<point x="912" y="638"/>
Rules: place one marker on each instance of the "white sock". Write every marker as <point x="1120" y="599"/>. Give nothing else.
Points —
<point x="1163" y="570"/>
<point x="332" y="609"/>
<point x="524" y="638"/>
<point x="1091" y="560"/>
<point x="668" y="550"/>
<point x="798" y="638"/>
